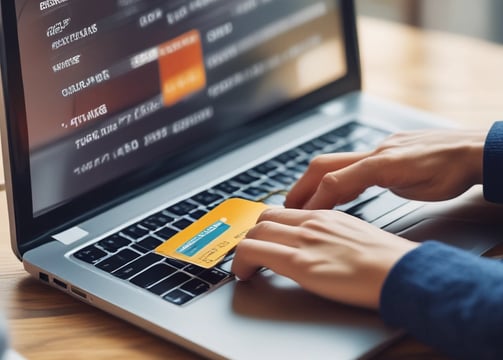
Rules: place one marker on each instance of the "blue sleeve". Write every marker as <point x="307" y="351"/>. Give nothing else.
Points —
<point x="449" y="299"/>
<point x="493" y="164"/>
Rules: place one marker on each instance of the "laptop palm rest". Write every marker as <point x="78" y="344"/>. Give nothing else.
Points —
<point x="276" y="298"/>
<point x="468" y="222"/>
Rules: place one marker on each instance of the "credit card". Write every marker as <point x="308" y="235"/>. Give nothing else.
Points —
<point x="206" y="242"/>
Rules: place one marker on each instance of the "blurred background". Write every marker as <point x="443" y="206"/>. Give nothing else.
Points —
<point x="480" y="18"/>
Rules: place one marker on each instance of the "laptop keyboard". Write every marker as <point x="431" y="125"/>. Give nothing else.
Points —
<point x="129" y="256"/>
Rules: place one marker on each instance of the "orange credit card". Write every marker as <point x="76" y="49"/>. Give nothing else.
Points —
<point x="206" y="242"/>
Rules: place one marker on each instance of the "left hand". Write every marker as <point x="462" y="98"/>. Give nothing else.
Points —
<point x="327" y="252"/>
<point x="426" y="165"/>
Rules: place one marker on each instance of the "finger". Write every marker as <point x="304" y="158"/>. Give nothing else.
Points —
<point x="344" y="185"/>
<point x="251" y="255"/>
<point x="285" y="216"/>
<point x="276" y="233"/>
<point x="306" y="186"/>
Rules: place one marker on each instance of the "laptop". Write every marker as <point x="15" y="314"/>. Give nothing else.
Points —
<point x="128" y="120"/>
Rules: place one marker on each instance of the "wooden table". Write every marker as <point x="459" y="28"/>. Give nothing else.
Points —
<point x="457" y="77"/>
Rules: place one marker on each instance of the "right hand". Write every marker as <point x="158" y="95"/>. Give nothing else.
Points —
<point x="426" y="165"/>
<point x="327" y="252"/>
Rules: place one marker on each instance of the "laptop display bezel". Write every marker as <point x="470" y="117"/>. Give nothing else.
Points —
<point x="28" y="232"/>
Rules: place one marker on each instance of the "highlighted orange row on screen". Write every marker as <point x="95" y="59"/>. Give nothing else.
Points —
<point x="181" y="67"/>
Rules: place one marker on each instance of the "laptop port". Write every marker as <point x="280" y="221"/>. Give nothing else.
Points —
<point x="44" y="277"/>
<point x="79" y="292"/>
<point x="59" y="283"/>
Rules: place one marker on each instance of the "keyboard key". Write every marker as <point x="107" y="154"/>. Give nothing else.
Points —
<point x="194" y="269"/>
<point x="213" y="276"/>
<point x="182" y="223"/>
<point x="114" y="243"/>
<point x="156" y="221"/>
<point x="116" y="261"/>
<point x="318" y="144"/>
<point x="287" y="156"/>
<point x="134" y="232"/>
<point x="270" y="187"/>
<point x="178" y="297"/>
<point x="227" y="188"/>
<point x="166" y="233"/>
<point x="139" y="248"/>
<point x="304" y="163"/>
<point x="182" y="208"/>
<point x="296" y="171"/>
<point x="152" y="275"/>
<point x="365" y="196"/>
<point x="207" y="198"/>
<point x="150" y="243"/>
<point x="197" y="214"/>
<point x="309" y="148"/>
<point x="245" y="178"/>
<point x="331" y="138"/>
<point x="374" y="209"/>
<point x="284" y="179"/>
<point x="266" y="167"/>
<point x="347" y="130"/>
<point x="275" y="199"/>
<point x="150" y="224"/>
<point x="255" y="193"/>
<point x="90" y="254"/>
<point x="169" y="283"/>
<point x="175" y="263"/>
<point x="196" y="287"/>
<point x="137" y="266"/>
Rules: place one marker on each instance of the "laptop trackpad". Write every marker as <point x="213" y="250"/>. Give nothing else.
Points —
<point x="273" y="297"/>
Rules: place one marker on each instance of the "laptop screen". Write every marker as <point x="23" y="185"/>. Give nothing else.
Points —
<point x="114" y="86"/>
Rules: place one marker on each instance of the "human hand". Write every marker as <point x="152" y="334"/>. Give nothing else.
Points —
<point x="424" y="165"/>
<point x="327" y="252"/>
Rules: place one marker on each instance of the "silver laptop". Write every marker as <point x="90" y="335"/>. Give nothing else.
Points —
<point x="128" y="120"/>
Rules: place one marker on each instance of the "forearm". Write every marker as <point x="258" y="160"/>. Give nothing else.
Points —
<point x="448" y="299"/>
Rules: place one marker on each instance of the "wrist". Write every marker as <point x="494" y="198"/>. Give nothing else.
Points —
<point x="492" y="159"/>
<point x="475" y="155"/>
